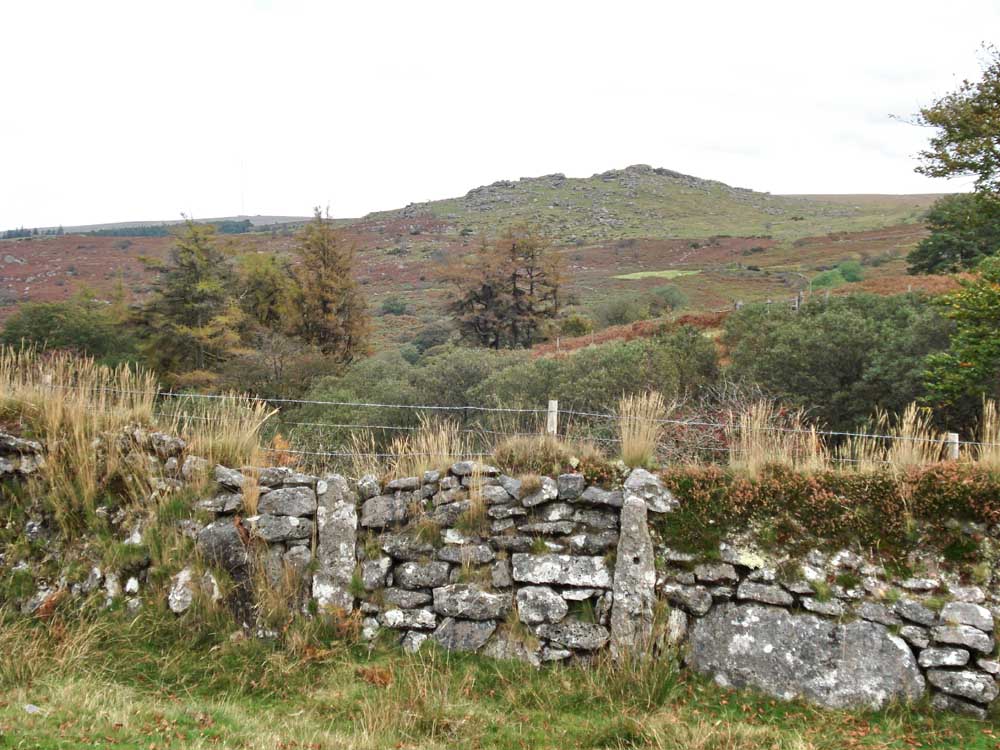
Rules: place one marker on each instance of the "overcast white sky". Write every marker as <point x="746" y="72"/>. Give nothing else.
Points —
<point x="118" y="111"/>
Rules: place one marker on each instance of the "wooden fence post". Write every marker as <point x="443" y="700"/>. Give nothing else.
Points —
<point x="552" y="423"/>
<point x="951" y="446"/>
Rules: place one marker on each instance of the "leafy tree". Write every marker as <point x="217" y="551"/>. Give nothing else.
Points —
<point x="266" y="288"/>
<point x="619" y="311"/>
<point x="666" y="298"/>
<point x="839" y="359"/>
<point x="967" y="121"/>
<point x="192" y="322"/>
<point x="970" y="368"/>
<point x="508" y="295"/>
<point x="84" y="325"/>
<point x="964" y="228"/>
<point x="330" y="311"/>
<point x="576" y="325"/>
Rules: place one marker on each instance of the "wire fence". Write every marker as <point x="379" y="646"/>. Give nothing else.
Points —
<point x="315" y="430"/>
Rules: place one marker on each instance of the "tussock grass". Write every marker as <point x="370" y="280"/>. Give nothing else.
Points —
<point x="916" y="442"/>
<point x="763" y="434"/>
<point x="988" y="452"/>
<point x="435" y="444"/>
<point x="542" y="454"/>
<point x="640" y="428"/>
<point x="79" y="409"/>
<point x="225" y="430"/>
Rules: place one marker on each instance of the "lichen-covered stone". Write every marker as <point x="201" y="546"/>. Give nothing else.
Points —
<point x="283" y="476"/>
<point x="915" y="635"/>
<point x="967" y="613"/>
<point x="374" y="573"/>
<point x="830" y="608"/>
<point x="564" y="570"/>
<point x="505" y="645"/>
<point x="596" y="519"/>
<point x="384" y="510"/>
<point x="574" y="634"/>
<point x="650" y="490"/>
<point x="857" y="664"/>
<point x="467" y="554"/>
<point x="288" y="501"/>
<point x="916" y="612"/>
<point x="965" y="683"/>
<point x="280" y="528"/>
<point x="695" y="599"/>
<point x="511" y="485"/>
<point x="395" y="597"/>
<point x="943" y="657"/>
<point x="406" y="546"/>
<point x="594" y="543"/>
<point x="540" y="604"/>
<point x="227" y="477"/>
<point x="181" y="593"/>
<point x="368" y="487"/>
<point x="404" y="484"/>
<point x="448" y="515"/>
<point x="336" y="541"/>
<point x="406" y="619"/>
<point x="470" y="602"/>
<point x="225" y="503"/>
<point x="494" y="495"/>
<point x="463" y="635"/>
<point x="963" y="635"/>
<point x="412" y="641"/>
<point x="221" y="544"/>
<point x="764" y="593"/>
<point x="570" y="486"/>
<point x="878" y="613"/>
<point x="596" y="496"/>
<point x="547" y="492"/>
<point x="505" y="511"/>
<point x="500" y="574"/>
<point x="551" y="528"/>
<point x="634" y="583"/>
<point x="421" y="575"/>
<point x="716" y="573"/>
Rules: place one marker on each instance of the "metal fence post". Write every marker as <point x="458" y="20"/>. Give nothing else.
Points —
<point x="951" y="446"/>
<point x="552" y="423"/>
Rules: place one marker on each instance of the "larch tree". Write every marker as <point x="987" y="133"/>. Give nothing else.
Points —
<point x="508" y="295"/>
<point x="330" y="311"/>
<point x="192" y="322"/>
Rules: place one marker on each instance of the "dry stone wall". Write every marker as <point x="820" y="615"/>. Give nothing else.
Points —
<point x="555" y="569"/>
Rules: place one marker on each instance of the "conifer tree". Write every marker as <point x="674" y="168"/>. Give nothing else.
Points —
<point x="331" y="313"/>
<point x="192" y="322"/>
<point x="508" y="295"/>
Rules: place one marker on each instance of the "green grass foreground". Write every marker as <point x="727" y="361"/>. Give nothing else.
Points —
<point x="152" y="683"/>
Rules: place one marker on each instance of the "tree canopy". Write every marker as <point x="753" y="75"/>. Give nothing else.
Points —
<point x="967" y="124"/>
<point x="838" y="359"/>
<point x="508" y="294"/>
<point x="964" y="228"/>
<point x="970" y="368"/>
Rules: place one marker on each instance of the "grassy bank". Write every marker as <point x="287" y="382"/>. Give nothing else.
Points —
<point x="147" y="681"/>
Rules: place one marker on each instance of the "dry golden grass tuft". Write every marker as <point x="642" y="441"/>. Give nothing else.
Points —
<point x="763" y="434"/>
<point x="640" y="427"/>
<point x="987" y="453"/>
<point x="913" y="441"/>
<point x="435" y="444"/>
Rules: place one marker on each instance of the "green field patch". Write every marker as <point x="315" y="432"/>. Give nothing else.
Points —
<point x="668" y="274"/>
